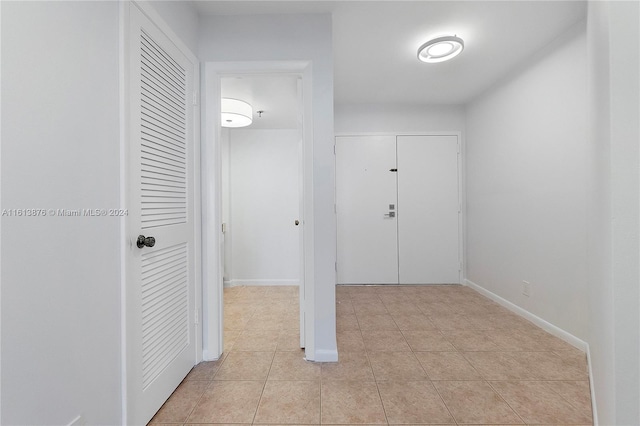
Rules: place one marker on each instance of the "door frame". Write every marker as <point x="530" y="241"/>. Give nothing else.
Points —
<point x="212" y="238"/>
<point x="462" y="217"/>
<point x="125" y="232"/>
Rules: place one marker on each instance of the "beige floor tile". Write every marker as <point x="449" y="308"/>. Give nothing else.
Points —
<point x="402" y="308"/>
<point x="245" y="366"/>
<point x="347" y="322"/>
<point x="350" y="341"/>
<point x="470" y="340"/>
<point x="290" y="402"/>
<point x="229" y="339"/>
<point x="500" y="365"/>
<point x="290" y="321"/>
<point x="376" y="322"/>
<point x="413" y="321"/>
<point x="427" y="340"/>
<point x="384" y="340"/>
<point x="344" y="307"/>
<point x="237" y="321"/>
<point x="350" y="366"/>
<point x="289" y="340"/>
<point x="452" y="322"/>
<point x="204" y="371"/>
<point x="271" y="321"/>
<point x="576" y="359"/>
<point x="293" y="366"/>
<point x="369" y="307"/>
<point x="475" y="402"/>
<point x="549" y="366"/>
<point x="447" y="366"/>
<point x="228" y="402"/>
<point x="400" y="366"/>
<point x="537" y="403"/>
<point x="577" y="393"/>
<point x="257" y="340"/>
<point x="413" y="403"/>
<point x="180" y="404"/>
<point x="345" y="402"/>
<point x="435" y="308"/>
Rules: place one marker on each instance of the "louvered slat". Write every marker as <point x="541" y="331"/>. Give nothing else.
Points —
<point x="165" y="328"/>
<point x="163" y="138"/>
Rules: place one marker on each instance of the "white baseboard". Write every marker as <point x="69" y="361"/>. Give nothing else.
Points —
<point x="594" y="410"/>
<point x="237" y="283"/>
<point x="546" y="326"/>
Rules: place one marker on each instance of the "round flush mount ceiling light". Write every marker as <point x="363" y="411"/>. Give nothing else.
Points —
<point x="236" y="113"/>
<point x="440" y="49"/>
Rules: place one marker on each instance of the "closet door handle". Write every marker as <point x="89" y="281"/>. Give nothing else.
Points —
<point x="145" y="241"/>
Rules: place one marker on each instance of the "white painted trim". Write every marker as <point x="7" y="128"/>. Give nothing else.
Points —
<point x="323" y="355"/>
<point x="546" y="326"/>
<point x="213" y="282"/>
<point x="123" y="55"/>
<point x="594" y="410"/>
<point x="266" y="283"/>
<point x="156" y="18"/>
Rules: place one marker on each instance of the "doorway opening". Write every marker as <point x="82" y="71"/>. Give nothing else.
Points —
<point x="257" y="221"/>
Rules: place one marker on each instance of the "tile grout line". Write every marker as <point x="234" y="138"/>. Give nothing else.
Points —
<point x="505" y="401"/>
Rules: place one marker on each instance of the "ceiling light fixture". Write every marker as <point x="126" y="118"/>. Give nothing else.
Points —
<point x="440" y="49"/>
<point x="236" y="113"/>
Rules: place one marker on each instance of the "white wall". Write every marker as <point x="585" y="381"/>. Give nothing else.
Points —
<point x="262" y="194"/>
<point x="60" y="275"/>
<point x="614" y="229"/>
<point x="182" y="17"/>
<point x="377" y="118"/>
<point x="287" y="38"/>
<point x="526" y="186"/>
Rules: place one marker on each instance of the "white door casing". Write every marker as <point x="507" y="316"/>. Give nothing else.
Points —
<point x="161" y="184"/>
<point x="428" y="201"/>
<point x="365" y="189"/>
<point x="212" y="212"/>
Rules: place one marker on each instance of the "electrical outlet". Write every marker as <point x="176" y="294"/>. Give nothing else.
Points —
<point x="526" y="288"/>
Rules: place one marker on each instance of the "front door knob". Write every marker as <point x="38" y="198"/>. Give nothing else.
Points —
<point x="146" y="241"/>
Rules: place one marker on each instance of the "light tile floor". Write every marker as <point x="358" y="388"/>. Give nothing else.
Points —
<point x="408" y="355"/>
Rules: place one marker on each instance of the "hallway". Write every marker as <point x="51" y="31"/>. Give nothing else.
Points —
<point x="408" y="355"/>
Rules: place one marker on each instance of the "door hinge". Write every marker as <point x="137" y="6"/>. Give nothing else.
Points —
<point x="197" y="317"/>
<point x="335" y="208"/>
<point x="336" y="266"/>
<point x="195" y="98"/>
<point x="334" y="149"/>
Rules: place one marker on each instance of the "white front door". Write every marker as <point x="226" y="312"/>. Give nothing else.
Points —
<point x="397" y="201"/>
<point x="160" y="276"/>
<point x="366" y="201"/>
<point x="428" y="237"/>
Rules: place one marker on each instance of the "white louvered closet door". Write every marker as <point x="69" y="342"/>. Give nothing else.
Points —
<point x="160" y="279"/>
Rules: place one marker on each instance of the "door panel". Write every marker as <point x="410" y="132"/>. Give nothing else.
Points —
<point x="367" y="242"/>
<point x="160" y="284"/>
<point x="428" y="209"/>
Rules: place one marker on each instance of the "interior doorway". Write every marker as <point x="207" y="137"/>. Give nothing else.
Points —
<point x="232" y="228"/>
<point x="260" y="182"/>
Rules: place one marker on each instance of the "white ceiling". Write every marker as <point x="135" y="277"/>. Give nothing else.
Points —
<point x="375" y="43"/>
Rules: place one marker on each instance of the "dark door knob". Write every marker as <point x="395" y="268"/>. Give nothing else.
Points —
<point x="146" y="241"/>
<point x="297" y="222"/>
